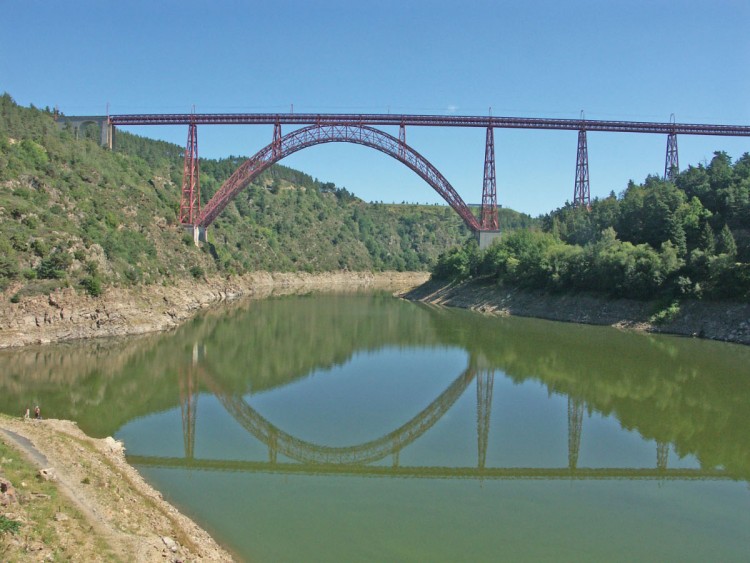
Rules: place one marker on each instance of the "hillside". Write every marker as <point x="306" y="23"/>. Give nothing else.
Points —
<point x="670" y="241"/>
<point x="75" y="215"/>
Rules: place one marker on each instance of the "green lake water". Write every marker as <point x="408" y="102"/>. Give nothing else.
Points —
<point x="359" y="427"/>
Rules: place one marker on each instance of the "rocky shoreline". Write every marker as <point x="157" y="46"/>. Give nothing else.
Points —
<point x="725" y="321"/>
<point x="150" y="529"/>
<point x="107" y="503"/>
<point x="69" y="314"/>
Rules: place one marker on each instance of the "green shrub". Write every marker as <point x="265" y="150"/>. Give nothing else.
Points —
<point x="92" y="285"/>
<point x="666" y="314"/>
<point x="54" y="266"/>
<point x="196" y="271"/>
<point x="8" y="525"/>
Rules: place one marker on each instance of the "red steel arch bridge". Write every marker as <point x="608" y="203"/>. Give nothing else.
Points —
<point x="316" y="128"/>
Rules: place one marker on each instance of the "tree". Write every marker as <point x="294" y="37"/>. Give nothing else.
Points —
<point x="725" y="244"/>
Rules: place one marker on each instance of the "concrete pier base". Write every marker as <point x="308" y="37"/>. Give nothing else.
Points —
<point x="486" y="238"/>
<point x="198" y="233"/>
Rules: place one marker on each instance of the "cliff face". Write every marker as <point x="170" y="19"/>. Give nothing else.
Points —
<point x="67" y="314"/>
<point x="705" y="319"/>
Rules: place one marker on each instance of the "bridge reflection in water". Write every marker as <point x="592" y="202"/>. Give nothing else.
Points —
<point x="309" y="458"/>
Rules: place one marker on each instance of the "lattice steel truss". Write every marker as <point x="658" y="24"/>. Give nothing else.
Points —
<point x="672" y="162"/>
<point x="319" y="134"/>
<point x="489" y="219"/>
<point x="582" y="189"/>
<point x="190" y="202"/>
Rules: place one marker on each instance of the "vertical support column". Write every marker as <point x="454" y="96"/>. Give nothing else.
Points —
<point x="276" y="144"/>
<point x="662" y="455"/>
<point x="189" y="409"/>
<point x="191" y="200"/>
<point x="105" y="137"/>
<point x="672" y="162"/>
<point x="575" y="426"/>
<point x="489" y="219"/>
<point x="402" y="141"/>
<point x="582" y="191"/>
<point x="485" y="381"/>
<point x="273" y="440"/>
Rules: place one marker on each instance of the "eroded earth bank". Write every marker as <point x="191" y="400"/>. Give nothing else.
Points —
<point x="704" y="319"/>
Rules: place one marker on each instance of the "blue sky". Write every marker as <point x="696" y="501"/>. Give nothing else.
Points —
<point x="639" y="60"/>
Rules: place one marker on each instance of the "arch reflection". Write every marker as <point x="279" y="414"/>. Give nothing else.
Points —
<point x="310" y="458"/>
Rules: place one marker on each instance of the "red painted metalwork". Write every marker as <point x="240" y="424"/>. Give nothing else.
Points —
<point x="582" y="191"/>
<point x="402" y="140"/>
<point x="430" y="121"/>
<point x="316" y="135"/>
<point x="190" y="202"/>
<point x="672" y="163"/>
<point x="276" y="139"/>
<point x="489" y="218"/>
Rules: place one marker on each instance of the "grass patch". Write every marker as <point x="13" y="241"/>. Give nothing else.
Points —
<point x="665" y="314"/>
<point x="39" y="502"/>
<point x="8" y="525"/>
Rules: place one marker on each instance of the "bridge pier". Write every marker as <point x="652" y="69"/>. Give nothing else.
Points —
<point x="199" y="233"/>
<point x="575" y="426"/>
<point x="485" y="381"/>
<point x="486" y="238"/>
<point x="489" y="217"/>
<point x="672" y="162"/>
<point x="188" y="407"/>
<point x="106" y="128"/>
<point x="582" y="190"/>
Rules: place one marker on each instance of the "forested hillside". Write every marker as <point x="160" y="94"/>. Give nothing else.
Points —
<point x="687" y="238"/>
<point x="75" y="214"/>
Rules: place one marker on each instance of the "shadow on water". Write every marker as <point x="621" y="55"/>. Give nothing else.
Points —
<point x="687" y="395"/>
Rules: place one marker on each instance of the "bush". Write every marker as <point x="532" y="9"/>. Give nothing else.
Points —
<point x="92" y="285"/>
<point x="54" y="266"/>
<point x="196" y="271"/>
<point x="666" y="314"/>
<point x="458" y="263"/>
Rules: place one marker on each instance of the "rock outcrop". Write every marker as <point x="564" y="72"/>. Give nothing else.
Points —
<point x="69" y="314"/>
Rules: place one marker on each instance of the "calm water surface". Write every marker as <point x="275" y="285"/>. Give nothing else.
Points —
<point x="362" y="428"/>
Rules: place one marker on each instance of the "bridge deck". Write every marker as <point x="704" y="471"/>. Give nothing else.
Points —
<point x="502" y="473"/>
<point x="429" y="121"/>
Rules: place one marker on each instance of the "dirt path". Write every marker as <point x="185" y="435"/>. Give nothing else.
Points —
<point x="119" y="509"/>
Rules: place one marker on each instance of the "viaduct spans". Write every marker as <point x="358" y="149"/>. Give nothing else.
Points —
<point x="664" y="128"/>
<point x="358" y="128"/>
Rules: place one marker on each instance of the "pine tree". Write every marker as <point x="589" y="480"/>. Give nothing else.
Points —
<point x="725" y="243"/>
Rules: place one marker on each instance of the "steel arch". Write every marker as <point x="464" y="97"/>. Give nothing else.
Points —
<point x="367" y="452"/>
<point x="335" y="133"/>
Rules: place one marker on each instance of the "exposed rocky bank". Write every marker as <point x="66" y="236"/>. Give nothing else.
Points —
<point x="103" y="510"/>
<point x="70" y="314"/>
<point x="714" y="320"/>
